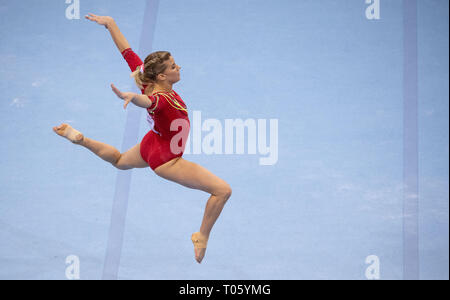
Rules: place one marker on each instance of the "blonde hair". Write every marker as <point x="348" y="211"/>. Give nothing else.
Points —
<point x="153" y="65"/>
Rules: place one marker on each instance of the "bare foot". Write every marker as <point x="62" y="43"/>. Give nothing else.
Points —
<point x="199" y="254"/>
<point x="200" y="241"/>
<point x="65" y="130"/>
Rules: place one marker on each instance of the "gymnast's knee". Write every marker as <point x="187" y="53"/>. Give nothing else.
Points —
<point x="224" y="192"/>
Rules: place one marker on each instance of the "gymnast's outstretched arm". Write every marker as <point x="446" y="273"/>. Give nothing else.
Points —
<point x="121" y="42"/>
<point x="117" y="36"/>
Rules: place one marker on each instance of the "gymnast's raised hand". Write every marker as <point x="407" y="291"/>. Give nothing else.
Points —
<point x="109" y="23"/>
<point x="100" y="20"/>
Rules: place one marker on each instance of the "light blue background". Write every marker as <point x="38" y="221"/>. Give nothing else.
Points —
<point x="332" y="78"/>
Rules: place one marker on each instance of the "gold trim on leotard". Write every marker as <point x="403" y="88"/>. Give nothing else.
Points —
<point x="170" y="98"/>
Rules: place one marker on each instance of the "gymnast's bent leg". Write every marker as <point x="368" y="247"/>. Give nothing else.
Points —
<point x="194" y="176"/>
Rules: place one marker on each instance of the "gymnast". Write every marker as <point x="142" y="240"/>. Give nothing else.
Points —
<point x="160" y="149"/>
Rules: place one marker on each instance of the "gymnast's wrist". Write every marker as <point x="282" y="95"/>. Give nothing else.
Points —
<point x="110" y="22"/>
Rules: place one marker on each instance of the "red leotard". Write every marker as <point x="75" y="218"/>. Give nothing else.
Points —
<point x="156" y="144"/>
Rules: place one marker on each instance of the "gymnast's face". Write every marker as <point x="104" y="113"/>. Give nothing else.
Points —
<point x="172" y="71"/>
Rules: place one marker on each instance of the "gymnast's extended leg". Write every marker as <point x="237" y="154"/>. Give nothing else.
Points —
<point x="123" y="161"/>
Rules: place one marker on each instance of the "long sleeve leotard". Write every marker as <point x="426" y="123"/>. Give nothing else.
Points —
<point x="171" y="124"/>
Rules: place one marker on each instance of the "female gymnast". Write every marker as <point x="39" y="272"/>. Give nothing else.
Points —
<point x="155" y="78"/>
